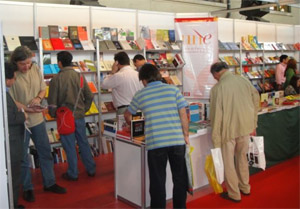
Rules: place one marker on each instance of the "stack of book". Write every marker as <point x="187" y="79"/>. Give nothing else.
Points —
<point x="10" y="43"/>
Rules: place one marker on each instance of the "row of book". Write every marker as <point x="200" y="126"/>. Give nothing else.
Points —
<point x="264" y="87"/>
<point x="258" y="74"/>
<point x="232" y="60"/>
<point x="165" y="60"/>
<point x="251" y="43"/>
<point x="11" y="42"/>
<point x="80" y="66"/>
<point x="271" y="98"/>
<point x="138" y="44"/>
<point x="55" y="37"/>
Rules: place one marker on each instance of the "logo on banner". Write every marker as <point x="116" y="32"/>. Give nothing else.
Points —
<point x="196" y="39"/>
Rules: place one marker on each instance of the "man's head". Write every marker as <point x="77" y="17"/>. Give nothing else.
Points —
<point x="21" y="58"/>
<point x="122" y="59"/>
<point x="139" y="60"/>
<point x="64" y="59"/>
<point x="148" y="74"/>
<point x="284" y="59"/>
<point x="218" y="69"/>
<point x="10" y="75"/>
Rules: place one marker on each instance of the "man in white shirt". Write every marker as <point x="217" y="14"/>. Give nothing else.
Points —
<point x="124" y="82"/>
<point x="280" y="69"/>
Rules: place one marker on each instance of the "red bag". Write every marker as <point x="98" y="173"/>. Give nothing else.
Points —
<point x="65" y="121"/>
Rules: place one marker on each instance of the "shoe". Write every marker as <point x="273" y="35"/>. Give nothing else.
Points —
<point x="20" y="207"/>
<point x="226" y="197"/>
<point x="68" y="178"/>
<point x="55" y="189"/>
<point x="28" y="196"/>
<point x="91" y="174"/>
<point x="247" y="194"/>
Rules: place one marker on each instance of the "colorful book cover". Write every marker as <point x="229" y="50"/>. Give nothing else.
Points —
<point x="47" y="46"/>
<point x="53" y="31"/>
<point x="73" y="32"/>
<point x="68" y="44"/>
<point x="114" y="34"/>
<point x="82" y="33"/>
<point x="92" y="87"/>
<point x="57" y="44"/>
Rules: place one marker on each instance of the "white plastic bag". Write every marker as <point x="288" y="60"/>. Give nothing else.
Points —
<point x="256" y="154"/>
<point x="218" y="164"/>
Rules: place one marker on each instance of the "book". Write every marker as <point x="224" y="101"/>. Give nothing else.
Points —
<point x="82" y="33"/>
<point x="144" y="32"/>
<point x="117" y="45"/>
<point x="129" y="35"/>
<point x="172" y="36"/>
<point x="73" y="32"/>
<point x="68" y="44"/>
<point x="29" y="42"/>
<point x="47" y="45"/>
<point x="154" y="44"/>
<point x="106" y="33"/>
<point x="12" y="42"/>
<point x="46" y="58"/>
<point x="110" y="45"/>
<point x="133" y="45"/>
<point x="174" y="46"/>
<point x="149" y="44"/>
<point x="57" y="44"/>
<point x="53" y="31"/>
<point x="110" y="106"/>
<point x="98" y="34"/>
<point x="63" y="32"/>
<point x="77" y="44"/>
<point x="92" y="87"/>
<point x="125" y="45"/>
<point x="175" y="80"/>
<point x="137" y="128"/>
<point x="102" y="46"/>
<point x="108" y="64"/>
<point x="87" y="45"/>
<point x="121" y="34"/>
<point x="90" y="65"/>
<point x="162" y="45"/>
<point x="44" y="32"/>
<point x="140" y="42"/>
<point x="103" y="107"/>
<point x="114" y="34"/>
<point x="162" y="35"/>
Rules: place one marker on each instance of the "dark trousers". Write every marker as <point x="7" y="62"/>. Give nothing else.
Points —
<point x="16" y="154"/>
<point x="157" y="163"/>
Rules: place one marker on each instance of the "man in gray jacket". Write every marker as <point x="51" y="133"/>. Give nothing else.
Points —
<point x="63" y="91"/>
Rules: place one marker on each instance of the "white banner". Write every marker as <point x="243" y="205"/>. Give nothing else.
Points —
<point x="200" y="50"/>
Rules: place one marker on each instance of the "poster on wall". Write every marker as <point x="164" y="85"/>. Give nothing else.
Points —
<point x="200" y="50"/>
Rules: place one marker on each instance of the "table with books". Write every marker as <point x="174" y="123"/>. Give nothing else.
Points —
<point x="131" y="168"/>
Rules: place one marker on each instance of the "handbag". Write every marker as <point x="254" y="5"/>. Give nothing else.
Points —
<point x="65" y="120"/>
<point x="211" y="175"/>
<point x="256" y="155"/>
<point x="218" y="164"/>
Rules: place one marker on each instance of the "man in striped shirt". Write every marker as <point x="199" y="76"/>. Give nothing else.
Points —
<point x="166" y="128"/>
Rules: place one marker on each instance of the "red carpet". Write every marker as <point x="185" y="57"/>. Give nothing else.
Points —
<point x="277" y="187"/>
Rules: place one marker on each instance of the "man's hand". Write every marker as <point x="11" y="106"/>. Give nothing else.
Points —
<point x="35" y="101"/>
<point x="253" y="133"/>
<point x="187" y="140"/>
<point x="115" y="67"/>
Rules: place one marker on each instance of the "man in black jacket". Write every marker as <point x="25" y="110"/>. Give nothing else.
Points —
<point x="16" y="130"/>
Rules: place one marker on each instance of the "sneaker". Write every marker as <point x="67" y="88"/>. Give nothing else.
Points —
<point x="55" y="189"/>
<point x="28" y="196"/>
<point x="68" y="178"/>
<point x="91" y="174"/>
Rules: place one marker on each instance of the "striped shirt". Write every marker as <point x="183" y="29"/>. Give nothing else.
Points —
<point x="160" y="104"/>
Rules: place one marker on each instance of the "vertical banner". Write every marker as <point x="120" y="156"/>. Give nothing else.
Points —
<point x="200" y="50"/>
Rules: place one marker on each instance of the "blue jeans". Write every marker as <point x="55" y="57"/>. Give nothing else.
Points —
<point x="68" y="142"/>
<point x="157" y="163"/>
<point x="41" y="142"/>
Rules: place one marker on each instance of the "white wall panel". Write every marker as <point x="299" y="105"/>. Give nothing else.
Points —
<point x="244" y="28"/>
<point x="285" y="33"/>
<point x="17" y="18"/>
<point x="225" y="30"/>
<point x="266" y="32"/>
<point x="156" y="20"/>
<point x="297" y="33"/>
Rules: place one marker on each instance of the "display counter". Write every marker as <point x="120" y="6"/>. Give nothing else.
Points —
<point x="281" y="134"/>
<point x="131" y="169"/>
